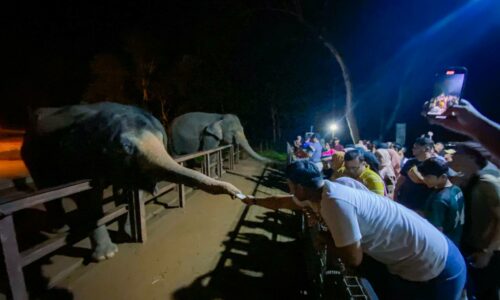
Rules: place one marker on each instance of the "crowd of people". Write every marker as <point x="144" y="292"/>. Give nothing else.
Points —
<point x="420" y="227"/>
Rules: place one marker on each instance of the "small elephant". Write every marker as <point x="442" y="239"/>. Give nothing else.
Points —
<point x="108" y="143"/>
<point x="197" y="131"/>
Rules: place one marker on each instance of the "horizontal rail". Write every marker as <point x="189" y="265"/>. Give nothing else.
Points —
<point x="9" y="205"/>
<point x="199" y="154"/>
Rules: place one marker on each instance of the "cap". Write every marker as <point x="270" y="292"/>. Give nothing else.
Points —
<point x="305" y="173"/>
<point x="436" y="166"/>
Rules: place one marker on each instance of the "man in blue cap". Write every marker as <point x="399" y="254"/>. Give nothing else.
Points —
<point x="413" y="260"/>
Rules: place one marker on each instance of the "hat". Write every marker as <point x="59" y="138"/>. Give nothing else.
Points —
<point x="305" y="173"/>
<point x="436" y="166"/>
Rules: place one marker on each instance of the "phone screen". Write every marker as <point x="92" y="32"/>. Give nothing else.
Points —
<point x="447" y="91"/>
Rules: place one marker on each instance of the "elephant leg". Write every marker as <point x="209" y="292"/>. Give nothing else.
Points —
<point x="209" y="142"/>
<point x="90" y="207"/>
<point x="120" y="196"/>
<point x="56" y="216"/>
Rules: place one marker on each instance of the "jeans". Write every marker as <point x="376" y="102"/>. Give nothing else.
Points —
<point x="447" y="285"/>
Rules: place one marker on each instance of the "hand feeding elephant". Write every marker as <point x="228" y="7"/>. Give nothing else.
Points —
<point x="197" y="131"/>
<point x="108" y="143"/>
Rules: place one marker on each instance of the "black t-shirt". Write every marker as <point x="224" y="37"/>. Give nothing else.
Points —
<point x="411" y="194"/>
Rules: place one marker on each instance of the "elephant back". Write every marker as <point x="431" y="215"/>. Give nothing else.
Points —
<point x="89" y="142"/>
<point x="188" y="129"/>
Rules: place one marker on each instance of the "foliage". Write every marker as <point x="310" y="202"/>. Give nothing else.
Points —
<point x="279" y="156"/>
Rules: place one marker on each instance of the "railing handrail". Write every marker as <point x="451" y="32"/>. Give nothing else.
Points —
<point x="183" y="158"/>
<point x="15" y="202"/>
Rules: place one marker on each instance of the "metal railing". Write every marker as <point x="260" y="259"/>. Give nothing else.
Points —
<point x="17" y="200"/>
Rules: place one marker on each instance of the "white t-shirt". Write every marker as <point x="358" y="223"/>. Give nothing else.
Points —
<point x="398" y="237"/>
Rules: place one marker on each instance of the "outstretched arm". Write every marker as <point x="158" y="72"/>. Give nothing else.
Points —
<point x="273" y="202"/>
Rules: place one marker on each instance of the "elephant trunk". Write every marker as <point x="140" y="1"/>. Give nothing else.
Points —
<point x="243" y="142"/>
<point x="159" y="163"/>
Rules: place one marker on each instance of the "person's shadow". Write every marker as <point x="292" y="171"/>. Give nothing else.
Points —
<point x="254" y="266"/>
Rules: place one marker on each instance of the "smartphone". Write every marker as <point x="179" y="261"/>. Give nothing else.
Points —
<point x="241" y="196"/>
<point x="448" y="89"/>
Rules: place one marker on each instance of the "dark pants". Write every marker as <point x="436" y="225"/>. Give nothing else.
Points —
<point x="485" y="283"/>
<point x="447" y="285"/>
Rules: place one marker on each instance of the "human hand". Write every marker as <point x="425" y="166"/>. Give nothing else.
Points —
<point x="461" y="118"/>
<point x="312" y="219"/>
<point x="480" y="260"/>
<point x="248" y="200"/>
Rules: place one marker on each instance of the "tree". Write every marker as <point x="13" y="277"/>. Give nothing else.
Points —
<point x="109" y="80"/>
<point x="293" y="8"/>
<point x="145" y="52"/>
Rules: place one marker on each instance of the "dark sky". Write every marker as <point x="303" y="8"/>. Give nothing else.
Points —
<point x="392" y="49"/>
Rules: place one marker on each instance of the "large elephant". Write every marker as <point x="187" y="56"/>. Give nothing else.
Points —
<point x="108" y="143"/>
<point x="197" y="131"/>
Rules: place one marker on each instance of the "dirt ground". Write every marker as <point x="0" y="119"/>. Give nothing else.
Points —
<point x="213" y="248"/>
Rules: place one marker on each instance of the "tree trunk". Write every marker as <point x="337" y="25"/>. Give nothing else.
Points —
<point x="349" y="114"/>
<point x="273" y="118"/>
<point x="297" y="13"/>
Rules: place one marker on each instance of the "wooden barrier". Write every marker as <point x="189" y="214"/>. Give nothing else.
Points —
<point x="16" y="200"/>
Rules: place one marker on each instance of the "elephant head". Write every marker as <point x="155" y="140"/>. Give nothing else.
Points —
<point x="229" y="130"/>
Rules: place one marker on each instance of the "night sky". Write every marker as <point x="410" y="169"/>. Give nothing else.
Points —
<point x="240" y="56"/>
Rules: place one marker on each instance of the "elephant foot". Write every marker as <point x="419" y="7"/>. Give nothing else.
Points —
<point x="104" y="248"/>
<point x="105" y="251"/>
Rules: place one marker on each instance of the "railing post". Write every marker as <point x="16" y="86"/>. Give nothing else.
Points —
<point x="221" y="162"/>
<point x="12" y="258"/>
<point x="182" y="195"/>
<point x="207" y="165"/>
<point x="237" y="153"/>
<point x="137" y="216"/>
<point x="182" y="192"/>
<point x="231" y="157"/>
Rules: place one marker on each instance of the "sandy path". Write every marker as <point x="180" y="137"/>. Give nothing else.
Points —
<point x="214" y="248"/>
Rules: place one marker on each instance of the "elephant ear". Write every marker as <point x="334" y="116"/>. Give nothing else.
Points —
<point x="215" y="129"/>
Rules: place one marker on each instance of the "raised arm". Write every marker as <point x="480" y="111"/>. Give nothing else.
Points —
<point x="465" y="119"/>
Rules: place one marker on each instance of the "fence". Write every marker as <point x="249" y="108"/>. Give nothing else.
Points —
<point x="135" y="207"/>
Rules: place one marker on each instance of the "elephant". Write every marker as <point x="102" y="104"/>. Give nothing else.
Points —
<point x="110" y="144"/>
<point x="197" y="131"/>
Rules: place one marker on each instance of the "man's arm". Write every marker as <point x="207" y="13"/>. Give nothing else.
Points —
<point x="465" y="119"/>
<point x="341" y="220"/>
<point x="273" y="202"/>
<point x="351" y="255"/>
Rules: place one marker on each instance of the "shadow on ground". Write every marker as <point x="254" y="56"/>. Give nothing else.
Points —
<point x="263" y="258"/>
